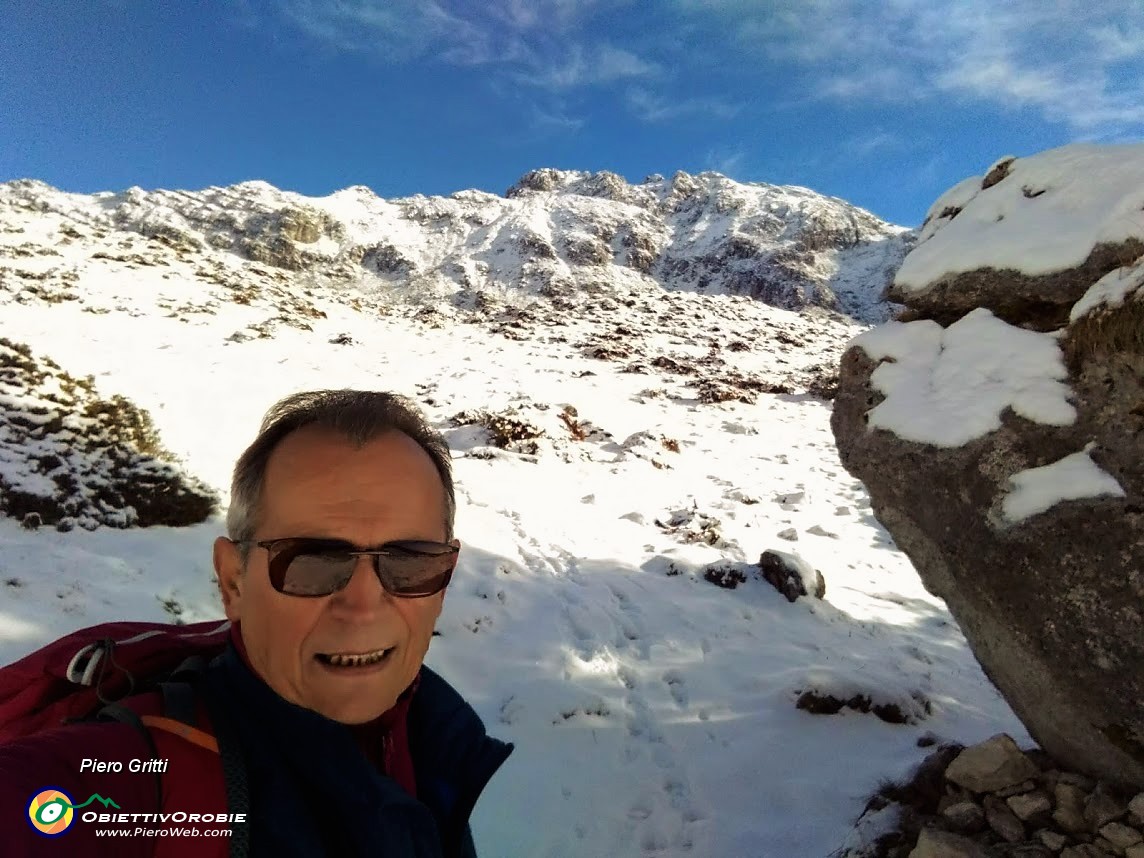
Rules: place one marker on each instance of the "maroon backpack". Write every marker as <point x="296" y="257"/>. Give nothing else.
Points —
<point x="77" y="676"/>
<point x="86" y="674"/>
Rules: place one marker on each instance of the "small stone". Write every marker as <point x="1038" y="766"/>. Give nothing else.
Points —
<point x="1002" y="820"/>
<point x="991" y="765"/>
<point x="1103" y="807"/>
<point x="818" y="530"/>
<point x="1134" y="852"/>
<point x="1052" y="839"/>
<point x="1025" y="850"/>
<point x="965" y="817"/>
<point x="1121" y="836"/>
<point x="1016" y="789"/>
<point x="1136" y="806"/>
<point x="1031" y="805"/>
<point x="943" y="844"/>
<point x="1106" y="847"/>
<point x="1069" y="814"/>
<point x="1083" y="850"/>
<point x="32" y="521"/>
<point x="789" y="534"/>
<point x="1077" y="779"/>
<point x="842" y="510"/>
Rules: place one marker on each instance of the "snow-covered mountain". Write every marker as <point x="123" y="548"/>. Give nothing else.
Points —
<point x="623" y="452"/>
<point x="556" y="234"/>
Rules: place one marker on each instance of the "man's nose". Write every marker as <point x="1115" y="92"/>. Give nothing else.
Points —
<point x="364" y="591"/>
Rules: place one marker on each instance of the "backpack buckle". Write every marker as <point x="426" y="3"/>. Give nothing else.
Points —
<point x="83" y="665"/>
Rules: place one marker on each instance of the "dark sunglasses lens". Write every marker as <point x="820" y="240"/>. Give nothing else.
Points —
<point x="317" y="573"/>
<point x="415" y="574"/>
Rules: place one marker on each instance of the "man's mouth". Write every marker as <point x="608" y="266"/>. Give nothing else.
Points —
<point x="354" y="659"/>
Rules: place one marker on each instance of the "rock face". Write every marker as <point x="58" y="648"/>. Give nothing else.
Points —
<point x="70" y="458"/>
<point x="1009" y="464"/>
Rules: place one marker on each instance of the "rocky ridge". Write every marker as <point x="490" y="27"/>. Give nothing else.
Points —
<point x="555" y="233"/>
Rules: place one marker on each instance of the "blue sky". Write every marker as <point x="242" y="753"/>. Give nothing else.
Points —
<point x="885" y="104"/>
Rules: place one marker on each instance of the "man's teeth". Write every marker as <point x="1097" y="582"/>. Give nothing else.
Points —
<point x="357" y="660"/>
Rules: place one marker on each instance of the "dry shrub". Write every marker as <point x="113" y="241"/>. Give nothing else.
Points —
<point x="505" y="428"/>
<point x="575" y="427"/>
<point x="1106" y="331"/>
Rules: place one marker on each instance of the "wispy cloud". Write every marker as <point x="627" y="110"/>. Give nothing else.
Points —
<point x="875" y="143"/>
<point x="729" y="162"/>
<point x="653" y="107"/>
<point x="1078" y="62"/>
<point x="542" y="42"/>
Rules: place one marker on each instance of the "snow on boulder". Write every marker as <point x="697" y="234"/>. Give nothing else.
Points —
<point x="1006" y="458"/>
<point x="69" y="457"/>
<point x="1029" y="238"/>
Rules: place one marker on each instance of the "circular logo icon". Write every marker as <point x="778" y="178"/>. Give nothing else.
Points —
<point x="50" y="812"/>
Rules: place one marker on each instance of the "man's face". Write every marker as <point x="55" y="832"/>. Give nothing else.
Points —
<point x="318" y="485"/>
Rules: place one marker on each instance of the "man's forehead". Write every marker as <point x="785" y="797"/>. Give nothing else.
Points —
<point x="317" y="475"/>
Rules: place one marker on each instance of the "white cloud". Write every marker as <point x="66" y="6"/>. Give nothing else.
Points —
<point x="729" y="162"/>
<point x="1071" y="60"/>
<point x="580" y="66"/>
<point x="652" y="107"/>
<point x="541" y="39"/>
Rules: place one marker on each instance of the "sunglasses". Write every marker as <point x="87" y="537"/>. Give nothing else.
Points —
<point x="319" y="567"/>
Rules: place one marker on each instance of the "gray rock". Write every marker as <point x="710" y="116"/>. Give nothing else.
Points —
<point x="790" y="534"/>
<point x="1121" y="836"/>
<point x="791" y="575"/>
<point x="1002" y="820"/>
<point x="1023" y="850"/>
<point x="819" y="530"/>
<point x="1076" y="779"/>
<point x="944" y="844"/>
<point x="1103" y="807"/>
<point x="1069" y="814"/>
<point x="1134" y="852"/>
<point x="1063" y="652"/>
<point x="965" y="817"/>
<point x="1083" y="850"/>
<point x="1031" y="807"/>
<point x="1054" y="840"/>
<point x="1136" y="808"/>
<point x="1016" y="789"/>
<point x="990" y="765"/>
<point x="1042" y="301"/>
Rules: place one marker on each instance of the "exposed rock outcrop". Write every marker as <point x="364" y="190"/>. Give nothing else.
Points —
<point x="994" y="800"/>
<point x="1009" y="464"/>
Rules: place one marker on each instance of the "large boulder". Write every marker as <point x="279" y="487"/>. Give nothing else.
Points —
<point x="1008" y="460"/>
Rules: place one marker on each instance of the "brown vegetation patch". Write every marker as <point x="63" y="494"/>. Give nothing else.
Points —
<point x="819" y="703"/>
<point x="505" y="429"/>
<point x="1106" y="331"/>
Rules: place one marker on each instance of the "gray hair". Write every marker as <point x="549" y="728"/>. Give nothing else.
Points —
<point x="360" y="416"/>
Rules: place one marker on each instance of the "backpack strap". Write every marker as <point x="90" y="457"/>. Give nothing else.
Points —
<point x="119" y="712"/>
<point x="179" y="718"/>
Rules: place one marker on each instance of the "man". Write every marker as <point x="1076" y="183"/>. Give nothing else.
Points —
<point x="340" y="546"/>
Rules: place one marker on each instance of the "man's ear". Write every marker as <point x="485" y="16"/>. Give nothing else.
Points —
<point x="228" y="569"/>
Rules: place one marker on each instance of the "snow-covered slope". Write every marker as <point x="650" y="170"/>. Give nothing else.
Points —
<point x="654" y="712"/>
